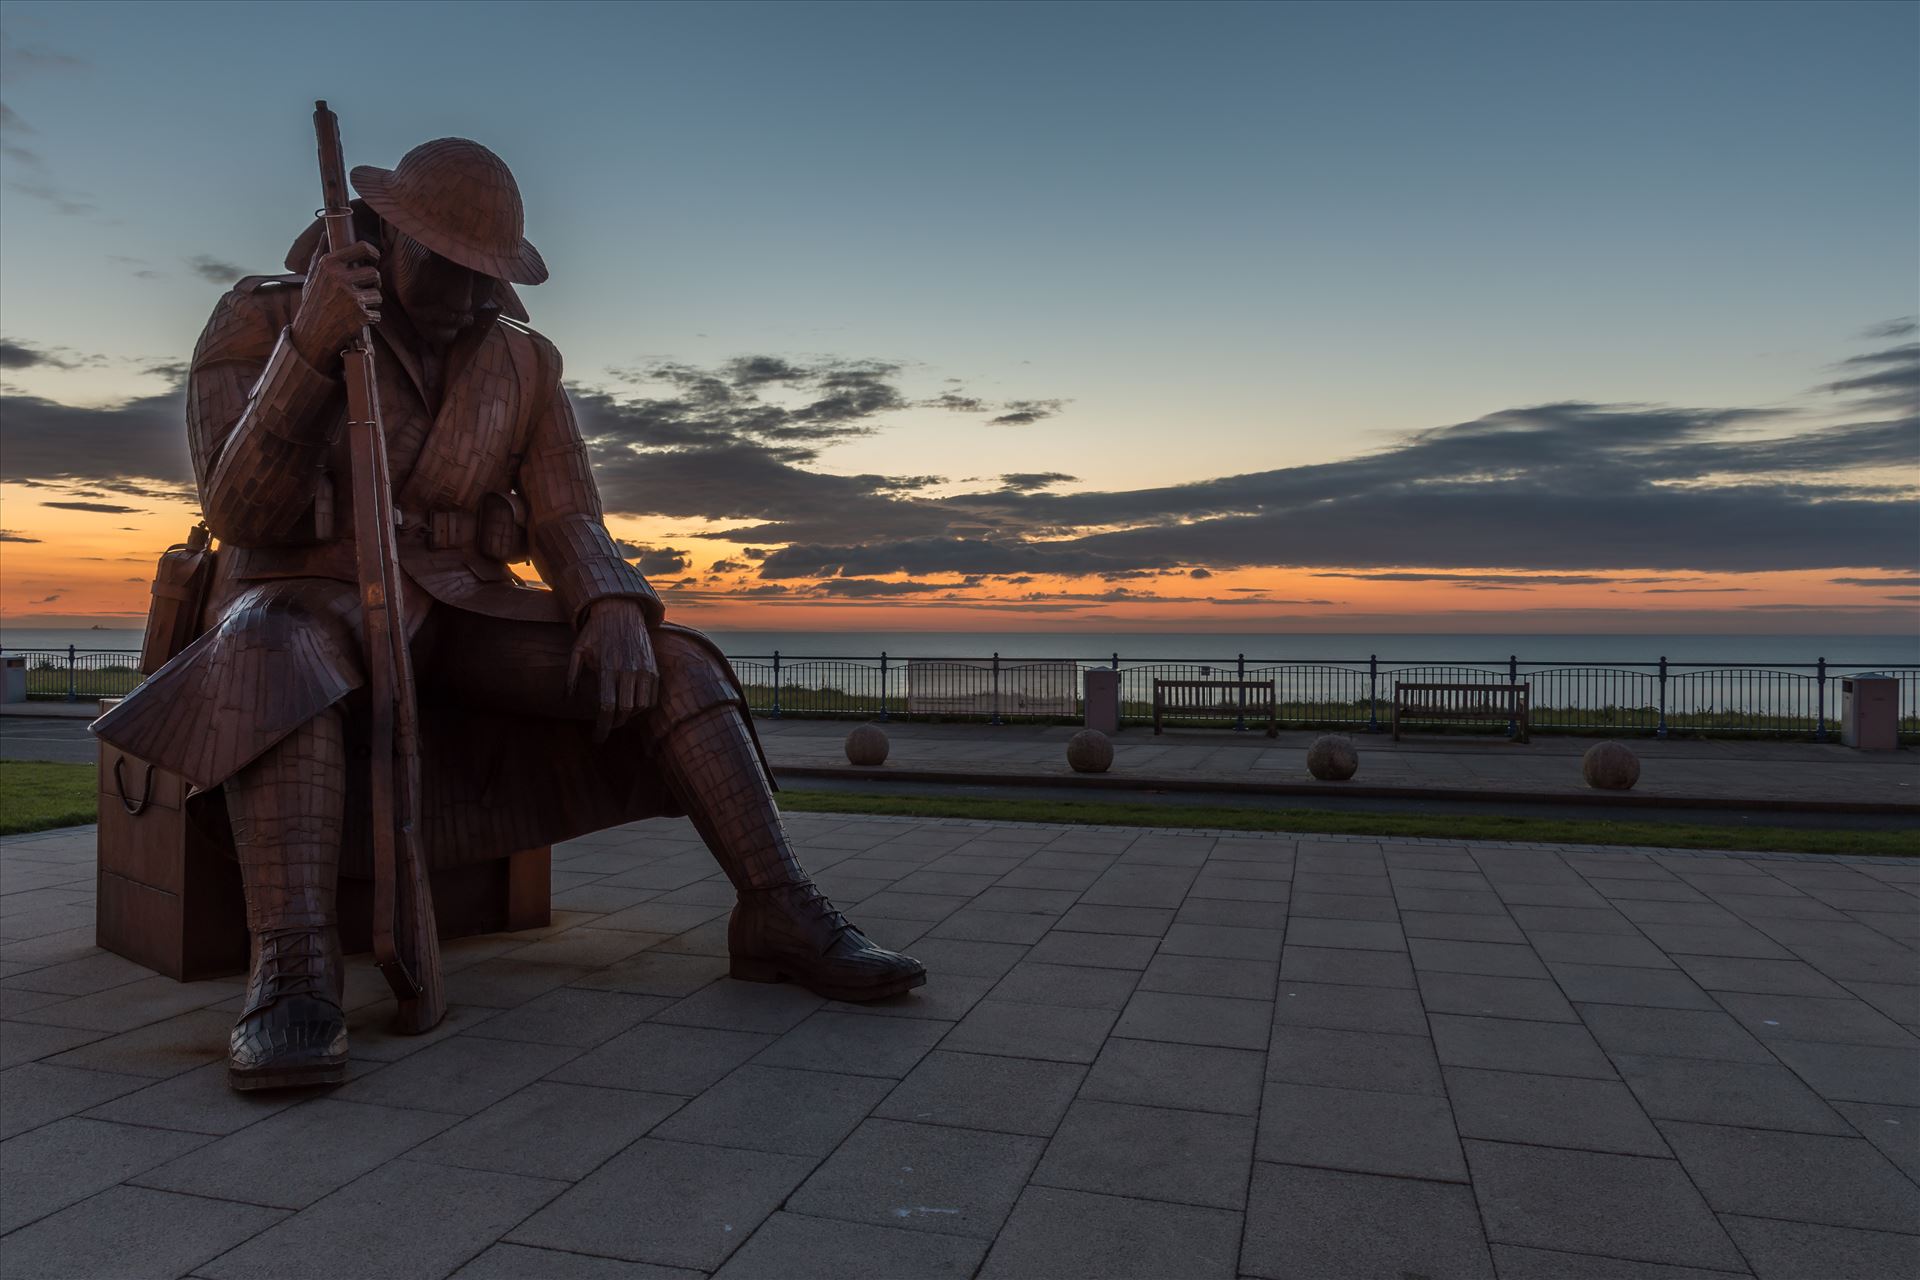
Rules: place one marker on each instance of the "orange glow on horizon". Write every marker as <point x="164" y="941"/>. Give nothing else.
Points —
<point x="87" y="566"/>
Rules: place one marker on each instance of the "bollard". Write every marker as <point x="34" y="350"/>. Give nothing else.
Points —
<point x="1103" y="700"/>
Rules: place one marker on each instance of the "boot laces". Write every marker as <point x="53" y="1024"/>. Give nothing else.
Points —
<point x="820" y="906"/>
<point x="292" y="963"/>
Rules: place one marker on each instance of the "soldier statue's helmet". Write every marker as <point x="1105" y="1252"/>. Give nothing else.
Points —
<point x="458" y="199"/>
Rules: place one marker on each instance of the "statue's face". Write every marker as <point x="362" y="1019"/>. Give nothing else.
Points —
<point x="440" y="297"/>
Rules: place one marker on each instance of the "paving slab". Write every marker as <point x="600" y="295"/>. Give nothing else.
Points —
<point x="1158" y="1073"/>
<point x="401" y="1219"/>
<point x="1895" y="1130"/>
<point x="1801" y="1177"/>
<point x="919" y="1177"/>
<point x="1586" y="1202"/>
<point x="519" y="1261"/>
<point x="131" y="1233"/>
<point x="1075" y="1235"/>
<point x="1326" y="1223"/>
<point x="1401" y="1134"/>
<point x="1150" y="1153"/>
<point x="336" y="1143"/>
<point x="1797" y="1250"/>
<point x="55" y="1165"/>
<point x="792" y="1246"/>
<point x="550" y="1130"/>
<point x="37" y="1093"/>
<point x="1753" y="1094"/>
<point x="1551" y="1111"/>
<point x="982" y="1091"/>
<point x="702" y="1204"/>
<point x="773" y="1109"/>
<point x="1514" y="1262"/>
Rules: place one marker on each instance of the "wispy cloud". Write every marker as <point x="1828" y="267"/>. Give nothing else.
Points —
<point x="104" y="508"/>
<point x="214" y="269"/>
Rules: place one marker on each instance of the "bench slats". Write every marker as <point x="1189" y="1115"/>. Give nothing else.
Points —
<point x="1463" y="702"/>
<point x="1192" y="695"/>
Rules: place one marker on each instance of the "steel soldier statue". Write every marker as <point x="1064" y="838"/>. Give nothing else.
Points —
<point x="543" y="714"/>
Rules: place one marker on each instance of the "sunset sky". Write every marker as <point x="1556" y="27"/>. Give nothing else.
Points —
<point x="1347" y="317"/>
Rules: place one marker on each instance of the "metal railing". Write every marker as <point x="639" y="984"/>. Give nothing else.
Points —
<point x="1658" y="698"/>
<point x="73" y="674"/>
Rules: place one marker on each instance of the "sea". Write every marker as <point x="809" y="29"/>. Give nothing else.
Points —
<point x="1861" y="652"/>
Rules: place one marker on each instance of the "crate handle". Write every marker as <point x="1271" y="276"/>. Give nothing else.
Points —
<point x="119" y="780"/>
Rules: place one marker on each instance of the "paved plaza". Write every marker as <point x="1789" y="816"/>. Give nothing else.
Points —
<point x="1141" y="1053"/>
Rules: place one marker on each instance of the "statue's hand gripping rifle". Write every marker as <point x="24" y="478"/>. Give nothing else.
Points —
<point x="405" y="943"/>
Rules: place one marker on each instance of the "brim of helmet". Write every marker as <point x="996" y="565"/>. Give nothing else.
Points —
<point x="521" y="264"/>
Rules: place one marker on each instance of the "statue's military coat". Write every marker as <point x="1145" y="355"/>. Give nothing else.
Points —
<point x="488" y="467"/>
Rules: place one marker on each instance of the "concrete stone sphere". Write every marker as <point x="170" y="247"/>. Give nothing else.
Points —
<point x="1610" y="766"/>
<point x="1090" y="751"/>
<point x="1332" y="758"/>
<point x="867" y="745"/>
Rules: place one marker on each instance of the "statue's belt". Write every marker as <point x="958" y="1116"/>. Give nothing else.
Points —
<point x="497" y="530"/>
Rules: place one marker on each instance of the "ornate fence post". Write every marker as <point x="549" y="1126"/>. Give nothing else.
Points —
<point x="1240" y="715"/>
<point x="73" y="676"/>
<point x="1661" y="730"/>
<point x="1513" y="677"/>
<point x="776" y="684"/>
<point x="883" y="684"/>
<point x="996" y="690"/>
<point x="1820" y="681"/>
<point x="1373" y="693"/>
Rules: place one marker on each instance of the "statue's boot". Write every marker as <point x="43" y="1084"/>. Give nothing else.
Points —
<point x="783" y="928"/>
<point x="292" y="1031"/>
<point x="286" y="809"/>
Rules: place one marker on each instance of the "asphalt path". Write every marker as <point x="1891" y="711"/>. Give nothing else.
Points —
<point x="67" y="741"/>
<point x="35" y="738"/>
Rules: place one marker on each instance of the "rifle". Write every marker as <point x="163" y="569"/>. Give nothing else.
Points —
<point x="406" y="945"/>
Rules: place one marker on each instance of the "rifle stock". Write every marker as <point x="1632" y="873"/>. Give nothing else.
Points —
<point x="405" y="942"/>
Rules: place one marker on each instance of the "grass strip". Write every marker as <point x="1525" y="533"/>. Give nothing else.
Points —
<point x="36" y="795"/>
<point x="1446" y="826"/>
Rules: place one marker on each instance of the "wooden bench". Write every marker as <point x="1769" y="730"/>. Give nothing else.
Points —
<point x="1207" y="696"/>
<point x="1458" y="703"/>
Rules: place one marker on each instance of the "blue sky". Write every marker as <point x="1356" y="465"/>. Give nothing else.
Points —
<point x="1227" y="237"/>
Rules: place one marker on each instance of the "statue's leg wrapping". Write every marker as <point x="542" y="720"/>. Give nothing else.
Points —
<point x="715" y="773"/>
<point x="287" y="811"/>
<point x="782" y="928"/>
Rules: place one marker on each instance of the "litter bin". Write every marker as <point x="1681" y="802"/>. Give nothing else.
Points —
<point x="16" y="678"/>
<point x="1870" y="712"/>
<point x="1103" y="699"/>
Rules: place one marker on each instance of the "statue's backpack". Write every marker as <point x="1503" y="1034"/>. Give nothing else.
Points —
<point x="180" y="584"/>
